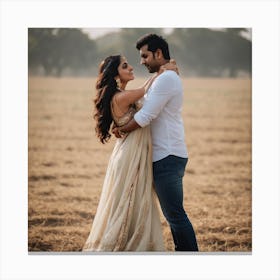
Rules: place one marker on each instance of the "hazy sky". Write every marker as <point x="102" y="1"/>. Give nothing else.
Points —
<point x="97" y="32"/>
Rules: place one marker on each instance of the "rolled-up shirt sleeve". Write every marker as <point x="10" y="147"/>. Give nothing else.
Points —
<point x="157" y="97"/>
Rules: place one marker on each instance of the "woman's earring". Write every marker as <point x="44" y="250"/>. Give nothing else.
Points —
<point x="118" y="81"/>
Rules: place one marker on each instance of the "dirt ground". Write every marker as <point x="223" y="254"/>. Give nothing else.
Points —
<point x="67" y="164"/>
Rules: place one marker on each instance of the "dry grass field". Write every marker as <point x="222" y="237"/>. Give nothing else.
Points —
<point x="67" y="164"/>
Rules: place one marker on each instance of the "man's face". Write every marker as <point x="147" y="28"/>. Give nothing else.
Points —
<point x="148" y="59"/>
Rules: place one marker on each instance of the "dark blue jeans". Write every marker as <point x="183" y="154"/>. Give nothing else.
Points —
<point x="168" y="178"/>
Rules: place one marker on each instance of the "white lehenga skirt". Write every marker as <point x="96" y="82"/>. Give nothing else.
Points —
<point x="127" y="217"/>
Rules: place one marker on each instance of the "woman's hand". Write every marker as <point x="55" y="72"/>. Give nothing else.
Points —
<point x="171" y="65"/>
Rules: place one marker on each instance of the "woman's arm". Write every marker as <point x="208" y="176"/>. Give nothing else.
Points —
<point x="130" y="96"/>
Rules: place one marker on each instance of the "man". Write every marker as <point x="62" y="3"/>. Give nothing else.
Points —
<point x="162" y="110"/>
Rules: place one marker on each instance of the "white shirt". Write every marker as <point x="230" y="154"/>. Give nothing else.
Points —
<point x="162" y="109"/>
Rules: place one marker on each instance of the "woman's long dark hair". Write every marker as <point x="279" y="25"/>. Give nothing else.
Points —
<point x="106" y="87"/>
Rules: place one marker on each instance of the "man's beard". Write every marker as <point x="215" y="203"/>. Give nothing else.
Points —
<point x="152" y="69"/>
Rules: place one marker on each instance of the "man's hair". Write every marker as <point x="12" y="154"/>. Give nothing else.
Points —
<point x="154" y="42"/>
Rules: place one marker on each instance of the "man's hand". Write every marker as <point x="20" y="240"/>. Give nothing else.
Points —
<point x="116" y="132"/>
<point x="123" y="131"/>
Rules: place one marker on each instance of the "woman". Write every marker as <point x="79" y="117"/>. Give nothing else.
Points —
<point x="127" y="217"/>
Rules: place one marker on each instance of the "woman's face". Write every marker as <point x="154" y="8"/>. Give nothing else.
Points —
<point x="125" y="71"/>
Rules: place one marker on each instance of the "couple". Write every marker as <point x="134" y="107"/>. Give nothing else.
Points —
<point x="146" y="163"/>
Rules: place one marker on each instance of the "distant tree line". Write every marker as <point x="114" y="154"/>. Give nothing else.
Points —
<point x="198" y="51"/>
<point x="54" y="50"/>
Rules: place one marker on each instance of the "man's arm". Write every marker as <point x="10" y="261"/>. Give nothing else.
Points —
<point x="130" y="126"/>
<point x="122" y="130"/>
